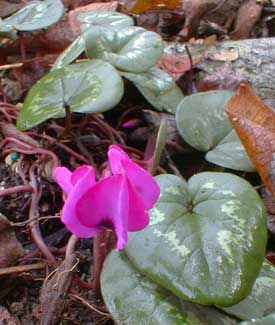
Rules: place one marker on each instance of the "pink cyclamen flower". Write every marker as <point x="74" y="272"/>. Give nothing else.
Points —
<point x="120" y="201"/>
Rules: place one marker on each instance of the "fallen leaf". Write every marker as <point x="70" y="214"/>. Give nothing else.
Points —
<point x="248" y="14"/>
<point x="254" y="123"/>
<point x="141" y="6"/>
<point x="224" y="56"/>
<point x="10" y="248"/>
<point x="176" y="65"/>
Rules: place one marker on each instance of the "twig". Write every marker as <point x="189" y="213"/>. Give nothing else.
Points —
<point x="74" y="296"/>
<point x="36" y="235"/>
<point x="71" y="245"/>
<point x="16" y="190"/>
<point x="11" y="66"/>
<point x="62" y="146"/>
<point x="22" y="268"/>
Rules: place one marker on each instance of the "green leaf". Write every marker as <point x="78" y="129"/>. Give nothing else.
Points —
<point x="133" y="49"/>
<point x="36" y="15"/>
<point x="70" y="53"/>
<point x="206" y="239"/>
<point x="267" y="320"/>
<point x="159" y="146"/>
<point x="203" y="123"/>
<point x="132" y="298"/>
<point x="158" y="87"/>
<point x="86" y="87"/>
<point x="104" y="19"/>
<point x="261" y="300"/>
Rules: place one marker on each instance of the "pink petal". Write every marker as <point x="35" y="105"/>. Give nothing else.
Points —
<point x="106" y="204"/>
<point x="142" y="182"/>
<point x="69" y="215"/>
<point x="62" y="176"/>
<point x="80" y="172"/>
<point x="115" y="156"/>
<point x="138" y="215"/>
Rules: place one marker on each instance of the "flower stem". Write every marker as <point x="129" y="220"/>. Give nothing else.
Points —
<point x="68" y="120"/>
<point x="100" y="250"/>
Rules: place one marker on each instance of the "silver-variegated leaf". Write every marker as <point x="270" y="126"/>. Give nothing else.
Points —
<point x="85" y="87"/>
<point x="261" y="300"/>
<point x="135" y="299"/>
<point x="206" y="239"/>
<point x="104" y="19"/>
<point x="36" y="15"/>
<point x="158" y="87"/>
<point x="133" y="49"/>
<point x="203" y="123"/>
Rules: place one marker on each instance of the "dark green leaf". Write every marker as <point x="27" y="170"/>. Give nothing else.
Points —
<point x="86" y="87"/>
<point x="206" y="239"/>
<point x="133" y="49"/>
<point x="104" y="19"/>
<point x="261" y="300"/>
<point x="158" y="87"/>
<point x="134" y="299"/>
<point x="203" y="123"/>
<point x="36" y="15"/>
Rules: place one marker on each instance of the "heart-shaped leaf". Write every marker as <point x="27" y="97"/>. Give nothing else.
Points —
<point x="267" y="320"/>
<point x="134" y="299"/>
<point x="84" y="87"/>
<point x="206" y="240"/>
<point x="203" y="123"/>
<point x="36" y="15"/>
<point x="104" y="19"/>
<point x="132" y="49"/>
<point x="70" y="53"/>
<point x="261" y="300"/>
<point x="158" y="87"/>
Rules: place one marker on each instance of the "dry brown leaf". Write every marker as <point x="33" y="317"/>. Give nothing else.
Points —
<point x="10" y="248"/>
<point x="140" y="6"/>
<point x="225" y="56"/>
<point x="255" y="125"/>
<point x="176" y="65"/>
<point x="248" y="14"/>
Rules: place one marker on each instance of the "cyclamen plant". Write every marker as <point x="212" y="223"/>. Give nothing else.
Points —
<point x="120" y="201"/>
<point x="114" y="48"/>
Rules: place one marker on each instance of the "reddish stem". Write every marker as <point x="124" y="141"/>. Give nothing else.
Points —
<point x="16" y="190"/>
<point x="100" y="251"/>
<point x="36" y="235"/>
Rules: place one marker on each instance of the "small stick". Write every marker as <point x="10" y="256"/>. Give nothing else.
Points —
<point x="22" y="268"/>
<point x="36" y="235"/>
<point x="11" y="66"/>
<point x="84" y="302"/>
<point x="71" y="246"/>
